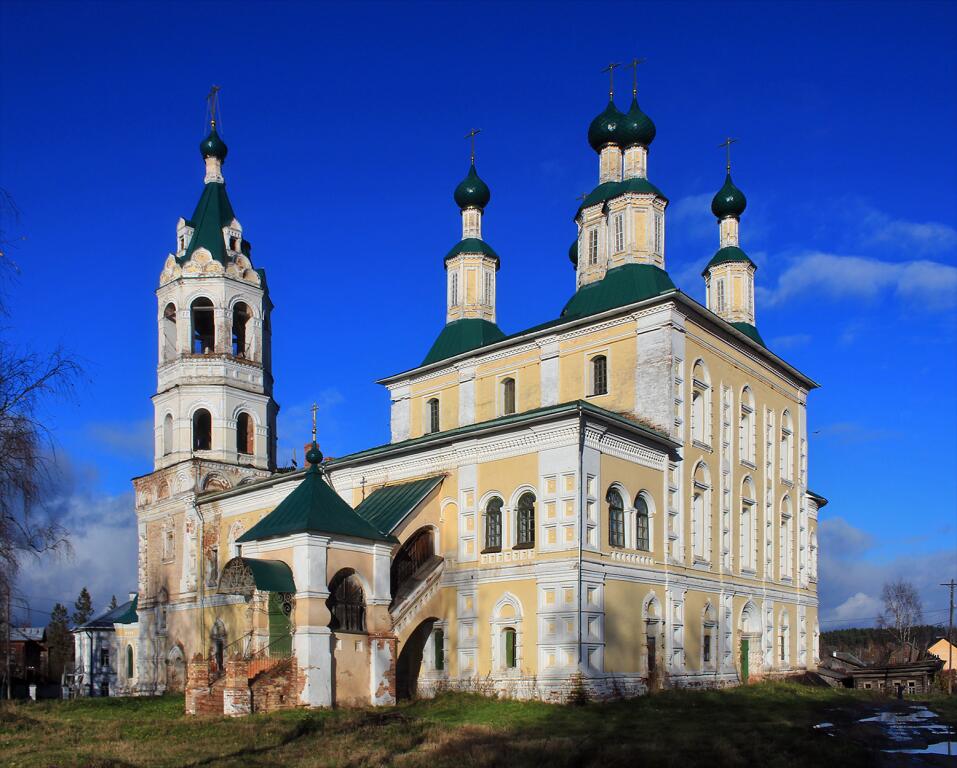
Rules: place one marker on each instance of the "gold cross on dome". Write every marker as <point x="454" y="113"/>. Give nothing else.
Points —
<point x="610" y="69"/>
<point x="727" y="145"/>
<point x="471" y="135"/>
<point x="634" y="75"/>
<point x="314" y="409"/>
<point x="212" y="103"/>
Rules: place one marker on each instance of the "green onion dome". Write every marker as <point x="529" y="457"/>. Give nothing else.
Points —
<point x="638" y="128"/>
<point x="472" y="192"/>
<point x="213" y="146"/>
<point x="573" y="253"/>
<point x="730" y="201"/>
<point x="606" y="128"/>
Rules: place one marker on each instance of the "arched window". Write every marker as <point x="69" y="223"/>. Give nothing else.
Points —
<point x="599" y="375"/>
<point x="700" y="404"/>
<point x="784" y="639"/>
<point x="346" y="603"/>
<point x="701" y="513"/>
<point x="245" y="434"/>
<point x="642" y="527"/>
<point x="493" y="525"/>
<point x="508" y="396"/>
<point x="508" y="638"/>
<point x="168" y="434"/>
<point x="746" y="431"/>
<point x="525" y="522"/>
<point x="438" y="647"/>
<point x="786" y="538"/>
<point x="241" y="317"/>
<point x="202" y="430"/>
<point x="169" y="332"/>
<point x="129" y="662"/>
<point x="709" y="623"/>
<point x="747" y="535"/>
<point x="417" y="551"/>
<point x="787" y="446"/>
<point x="204" y="327"/>
<point x="616" y="518"/>
<point x="812" y="556"/>
<point x="433" y="414"/>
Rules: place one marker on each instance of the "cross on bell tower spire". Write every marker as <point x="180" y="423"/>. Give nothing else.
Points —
<point x="634" y="74"/>
<point x="212" y="105"/>
<point x="471" y="135"/>
<point x="315" y="408"/>
<point x="727" y="146"/>
<point x="610" y="69"/>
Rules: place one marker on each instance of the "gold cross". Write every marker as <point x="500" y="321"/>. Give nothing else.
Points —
<point x="634" y="81"/>
<point x="471" y="135"/>
<point x="314" y="409"/>
<point x="727" y="145"/>
<point x="212" y="101"/>
<point x="610" y="69"/>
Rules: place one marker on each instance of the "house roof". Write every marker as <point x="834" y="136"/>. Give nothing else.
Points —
<point x="388" y="506"/>
<point x="313" y="507"/>
<point x="27" y="634"/>
<point x="213" y="212"/>
<point x="122" y="614"/>
<point x="265" y="575"/>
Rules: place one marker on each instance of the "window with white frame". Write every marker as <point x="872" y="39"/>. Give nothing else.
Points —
<point x="701" y="404"/>
<point x="709" y="627"/>
<point x="786" y="536"/>
<point x="169" y="541"/>
<point x="599" y="375"/>
<point x="747" y="536"/>
<point x="593" y="246"/>
<point x="432" y="413"/>
<point x="616" y="518"/>
<point x="784" y="639"/>
<point x="619" y="233"/>
<point x="525" y="521"/>
<point x="488" y="287"/>
<point x="701" y="513"/>
<point x="508" y="396"/>
<point x="659" y="231"/>
<point x="787" y="446"/>
<point x="642" y="524"/>
<point x="493" y="525"/>
<point x="746" y="436"/>
<point x="812" y="556"/>
<point x="720" y="303"/>
<point x="454" y="290"/>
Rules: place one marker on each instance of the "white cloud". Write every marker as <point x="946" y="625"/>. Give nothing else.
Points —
<point x="124" y="438"/>
<point x="878" y="228"/>
<point x="839" y="536"/>
<point x="858" y="608"/>
<point x="928" y="284"/>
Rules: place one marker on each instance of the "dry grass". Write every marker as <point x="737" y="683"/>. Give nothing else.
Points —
<point x="768" y="725"/>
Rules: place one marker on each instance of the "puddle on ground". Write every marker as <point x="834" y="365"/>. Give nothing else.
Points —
<point x="940" y="748"/>
<point x="824" y="725"/>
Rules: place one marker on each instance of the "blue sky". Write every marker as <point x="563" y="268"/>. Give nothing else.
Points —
<point x="345" y="124"/>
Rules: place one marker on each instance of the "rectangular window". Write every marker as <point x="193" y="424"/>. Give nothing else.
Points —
<point x="493" y="526"/>
<point x="599" y="377"/>
<point x="659" y="224"/>
<point x="707" y="649"/>
<point x="455" y="289"/>
<point x="438" y="640"/>
<point x="104" y="658"/>
<point x="720" y="301"/>
<point x="616" y="527"/>
<point x="434" y="415"/>
<point x="619" y="233"/>
<point x="510" y="648"/>
<point x="781" y="646"/>
<point x="593" y="247"/>
<point x="508" y="397"/>
<point x="488" y="288"/>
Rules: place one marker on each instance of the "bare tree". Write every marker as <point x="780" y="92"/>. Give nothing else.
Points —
<point x="27" y="381"/>
<point x="903" y="612"/>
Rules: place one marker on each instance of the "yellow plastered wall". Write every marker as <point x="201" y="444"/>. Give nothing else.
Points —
<point x="524" y="367"/>
<point x="619" y="347"/>
<point x="634" y="478"/>
<point x="625" y="629"/>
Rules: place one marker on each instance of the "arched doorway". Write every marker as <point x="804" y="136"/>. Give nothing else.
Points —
<point x="409" y="664"/>
<point x="750" y="654"/>
<point x="217" y="639"/>
<point x="175" y="670"/>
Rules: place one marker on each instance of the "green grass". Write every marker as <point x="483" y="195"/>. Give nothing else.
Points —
<point x="768" y="724"/>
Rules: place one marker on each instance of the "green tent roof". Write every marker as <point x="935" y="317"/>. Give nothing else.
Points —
<point x="728" y="254"/>
<point x="472" y="245"/>
<point x="620" y="286"/>
<point x="463" y="336"/>
<point x="213" y="212"/>
<point x="313" y="507"/>
<point x="751" y="332"/>
<point x="267" y="575"/>
<point x="386" y="507"/>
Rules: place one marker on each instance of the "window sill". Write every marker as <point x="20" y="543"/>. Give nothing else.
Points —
<point x="702" y="446"/>
<point x="748" y="464"/>
<point x="525" y="545"/>
<point x="490" y="550"/>
<point x="748" y="572"/>
<point x="787" y="482"/>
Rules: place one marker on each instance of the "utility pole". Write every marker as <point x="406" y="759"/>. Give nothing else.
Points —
<point x="9" y="637"/>
<point x="950" y="639"/>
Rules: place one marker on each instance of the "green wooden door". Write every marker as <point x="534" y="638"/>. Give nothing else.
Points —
<point x="745" y="654"/>
<point x="280" y="637"/>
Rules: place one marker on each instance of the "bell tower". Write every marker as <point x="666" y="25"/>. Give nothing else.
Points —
<point x="213" y="397"/>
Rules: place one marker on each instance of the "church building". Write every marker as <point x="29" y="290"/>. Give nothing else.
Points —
<point x="611" y="501"/>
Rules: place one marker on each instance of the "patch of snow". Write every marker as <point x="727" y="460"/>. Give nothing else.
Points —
<point x="940" y="748"/>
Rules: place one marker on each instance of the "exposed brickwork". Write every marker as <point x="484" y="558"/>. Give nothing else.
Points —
<point x="277" y="687"/>
<point x="237" y="699"/>
<point x="386" y="684"/>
